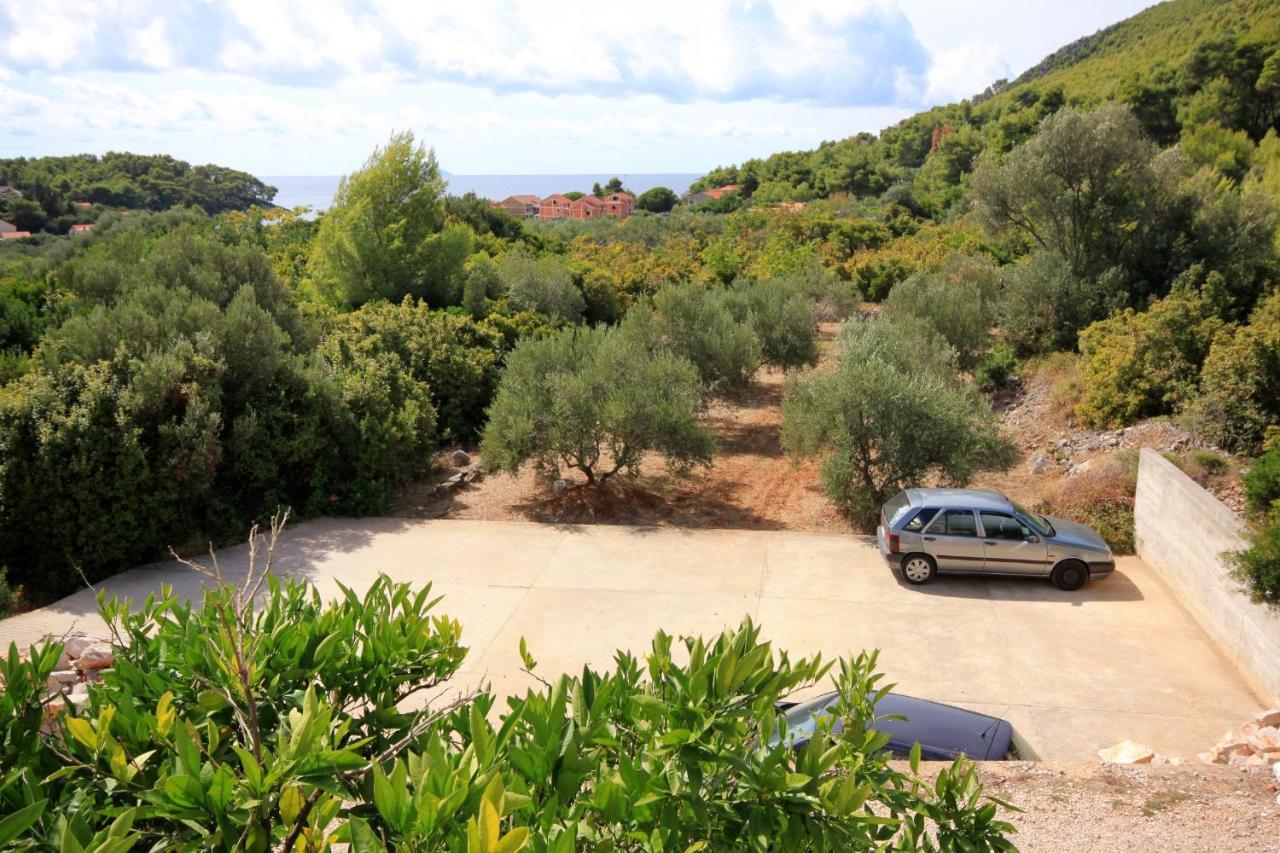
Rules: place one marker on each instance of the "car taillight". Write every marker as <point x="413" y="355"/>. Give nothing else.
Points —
<point x="893" y="543"/>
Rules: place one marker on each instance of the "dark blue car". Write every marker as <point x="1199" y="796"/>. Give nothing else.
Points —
<point x="943" y="731"/>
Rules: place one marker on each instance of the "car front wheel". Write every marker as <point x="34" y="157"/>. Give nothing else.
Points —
<point x="1069" y="575"/>
<point x="918" y="568"/>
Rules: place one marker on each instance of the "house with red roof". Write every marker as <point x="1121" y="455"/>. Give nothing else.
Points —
<point x="619" y="205"/>
<point x="587" y="207"/>
<point x="555" y="207"/>
<point x="520" y="206"/>
<point x="14" y="235"/>
<point x="81" y="229"/>
<point x="704" y="196"/>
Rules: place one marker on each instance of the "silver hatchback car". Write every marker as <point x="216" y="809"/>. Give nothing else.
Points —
<point x="927" y="532"/>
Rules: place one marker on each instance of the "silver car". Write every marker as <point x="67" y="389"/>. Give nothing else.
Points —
<point x="927" y="532"/>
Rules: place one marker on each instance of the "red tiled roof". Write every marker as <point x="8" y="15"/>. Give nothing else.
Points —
<point x="14" y="235"/>
<point x="527" y="199"/>
<point x="557" y="197"/>
<point x="591" y="200"/>
<point x="82" y="227"/>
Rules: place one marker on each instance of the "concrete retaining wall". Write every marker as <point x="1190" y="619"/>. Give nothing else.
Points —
<point x="1182" y="531"/>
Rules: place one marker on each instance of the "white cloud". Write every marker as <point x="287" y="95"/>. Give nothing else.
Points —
<point x="839" y="52"/>
<point x="963" y="72"/>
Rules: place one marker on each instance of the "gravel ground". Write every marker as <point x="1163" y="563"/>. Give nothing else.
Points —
<point x="1183" y="808"/>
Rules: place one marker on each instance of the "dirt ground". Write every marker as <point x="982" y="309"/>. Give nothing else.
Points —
<point x="751" y="485"/>
<point x="1108" y="807"/>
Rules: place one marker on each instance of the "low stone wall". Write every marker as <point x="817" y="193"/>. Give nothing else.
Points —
<point x="1182" y="532"/>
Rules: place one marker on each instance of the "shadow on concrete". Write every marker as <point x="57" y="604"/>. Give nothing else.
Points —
<point x="1116" y="587"/>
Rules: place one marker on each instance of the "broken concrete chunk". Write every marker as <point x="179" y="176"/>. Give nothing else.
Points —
<point x="97" y="656"/>
<point x="1127" y="752"/>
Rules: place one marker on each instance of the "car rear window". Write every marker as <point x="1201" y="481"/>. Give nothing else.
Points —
<point x="895" y="507"/>
<point x="923" y="517"/>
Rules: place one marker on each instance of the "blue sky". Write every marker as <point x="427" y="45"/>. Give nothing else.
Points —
<point x="285" y="87"/>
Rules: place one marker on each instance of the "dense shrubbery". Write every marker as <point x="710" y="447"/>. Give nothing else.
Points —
<point x="957" y="301"/>
<point x="271" y="723"/>
<point x="1259" y="566"/>
<point x="889" y="414"/>
<point x="1148" y="363"/>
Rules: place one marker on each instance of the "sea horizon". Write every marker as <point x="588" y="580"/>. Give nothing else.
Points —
<point x="317" y="191"/>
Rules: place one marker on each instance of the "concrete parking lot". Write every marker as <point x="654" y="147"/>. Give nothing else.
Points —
<point x="1071" y="671"/>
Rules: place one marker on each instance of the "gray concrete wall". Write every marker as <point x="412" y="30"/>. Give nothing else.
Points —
<point x="1182" y="531"/>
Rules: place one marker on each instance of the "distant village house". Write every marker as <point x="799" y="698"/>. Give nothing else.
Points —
<point x="704" y="196"/>
<point x="81" y="229"/>
<point x="619" y="205"/>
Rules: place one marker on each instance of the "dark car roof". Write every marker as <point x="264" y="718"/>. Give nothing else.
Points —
<point x="968" y="498"/>
<point x="943" y="731"/>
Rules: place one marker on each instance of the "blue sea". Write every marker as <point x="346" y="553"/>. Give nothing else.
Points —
<point x="317" y="190"/>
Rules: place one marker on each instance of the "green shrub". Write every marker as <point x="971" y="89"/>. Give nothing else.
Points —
<point x="955" y="300"/>
<point x="594" y="400"/>
<point x="1142" y="364"/>
<point x="542" y="284"/>
<point x="1240" y="385"/>
<point x="1258" y="567"/>
<point x="706" y="325"/>
<point x="272" y="723"/>
<point x="996" y="368"/>
<point x="1262" y="482"/>
<point x="886" y="417"/>
<point x="1043" y="305"/>
<point x="8" y="595"/>
<point x="783" y="317"/>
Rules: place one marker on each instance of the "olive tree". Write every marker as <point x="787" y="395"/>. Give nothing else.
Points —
<point x="1081" y="186"/>
<point x="543" y="284"/>
<point x="888" y="415"/>
<point x="594" y="400"/>
<point x="957" y="300"/>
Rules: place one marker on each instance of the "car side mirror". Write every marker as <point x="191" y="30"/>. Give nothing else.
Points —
<point x="1033" y="538"/>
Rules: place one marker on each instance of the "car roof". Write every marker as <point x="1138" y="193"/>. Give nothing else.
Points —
<point x="971" y="498"/>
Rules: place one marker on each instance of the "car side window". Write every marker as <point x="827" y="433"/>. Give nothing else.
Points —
<point x="955" y="522"/>
<point x="923" y="517"/>
<point x="1001" y="526"/>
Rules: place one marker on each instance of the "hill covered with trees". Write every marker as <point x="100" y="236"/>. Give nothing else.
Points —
<point x="41" y="192"/>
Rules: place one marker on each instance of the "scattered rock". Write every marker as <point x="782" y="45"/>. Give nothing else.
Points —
<point x="100" y="655"/>
<point x="60" y="678"/>
<point x="1268" y="718"/>
<point x="1127" y="752"/>
<point x="75" y="644"/>
<point x="461" y="458"/>
<point x="559" y="486"/>
<point x="1038" y="463"/>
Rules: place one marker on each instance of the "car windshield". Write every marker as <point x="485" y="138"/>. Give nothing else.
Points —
<point x="802" y="720"/>
<point x="1038" y="522"/>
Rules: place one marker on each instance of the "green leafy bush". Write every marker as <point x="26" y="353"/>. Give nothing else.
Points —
<point x="1240" y="383"/>
<point x="1262" y="482"/>
<point x="706" y="325"/>
<point x="1142" y="364"/>
<point x="886" y="416"/>
<point x="956" y="300"/>
<point x="542" y="284"/>
<point x="996" y="368"/>
<point x="1043" y="305"/>
<point x="783" y="317"/>
<point x="272" y="723"/>
<point x="1258" y="567"/>
<point x="595" y="400"/>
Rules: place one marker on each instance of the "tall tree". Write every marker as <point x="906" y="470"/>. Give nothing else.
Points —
<point x="373" y="242"/>
<point x="1080" y="186"/>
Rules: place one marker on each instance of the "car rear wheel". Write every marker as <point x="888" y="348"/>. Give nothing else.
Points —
<point x="1069" y="575"/>
<point x="918" y="568"/>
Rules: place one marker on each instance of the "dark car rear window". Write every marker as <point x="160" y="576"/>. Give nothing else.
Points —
<point x="923" y="517"/>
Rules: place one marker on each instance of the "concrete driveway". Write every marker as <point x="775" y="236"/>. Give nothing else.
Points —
<point x="1071" y="671"/>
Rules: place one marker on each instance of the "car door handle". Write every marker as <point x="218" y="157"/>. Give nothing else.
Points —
<point x="929" y="538"/>
<point x="989" y="542"/>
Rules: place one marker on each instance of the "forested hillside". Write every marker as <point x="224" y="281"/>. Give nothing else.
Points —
<point x="51" y="192"/>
